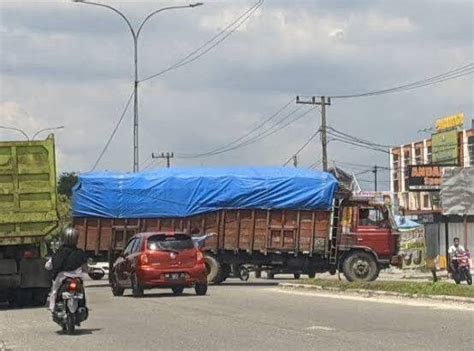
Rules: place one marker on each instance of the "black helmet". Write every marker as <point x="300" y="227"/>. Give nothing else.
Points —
<point x="70" y="236"/>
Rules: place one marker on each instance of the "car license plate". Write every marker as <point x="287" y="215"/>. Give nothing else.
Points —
<point x="174" y="276"/>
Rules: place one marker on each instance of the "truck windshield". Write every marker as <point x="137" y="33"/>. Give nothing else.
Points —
<point x="177" y="242"/>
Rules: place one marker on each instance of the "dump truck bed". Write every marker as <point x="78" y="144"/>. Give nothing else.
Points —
<point x="28" y="195"/>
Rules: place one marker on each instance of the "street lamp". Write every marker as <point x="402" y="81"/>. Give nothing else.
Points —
<point x="16" y="130"/>
<point x="34" y="135"/>
<point x="46" y="129"/>
<point x="135" y="35"/>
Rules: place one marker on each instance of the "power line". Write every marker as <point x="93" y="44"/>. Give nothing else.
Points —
<point x="302" y="147"/>
<point x="350" y="142"/>
<point x="219" y="148"/>
<point x="189" y="58"/>
<point x="368" y="142"/>
<point x="114" y="131"/>
<point x="453" y="74"/>
<point x="315" y="164"/>
<point x="258" y="137"/>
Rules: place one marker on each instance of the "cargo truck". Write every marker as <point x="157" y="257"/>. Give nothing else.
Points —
<point x="28" y="213"/>
<point x="278" y="220"/>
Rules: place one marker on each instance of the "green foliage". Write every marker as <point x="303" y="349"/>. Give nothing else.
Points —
<point x="411" y="288"/>
<point x="66" y="182"/>
<point x="64" y="212"/>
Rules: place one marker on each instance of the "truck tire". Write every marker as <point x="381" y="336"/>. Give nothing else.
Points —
<point x="213" y="267"/>
<point x="96" y="275"/>
<point x="40" y="295"/>
<point x="360" y="266"/>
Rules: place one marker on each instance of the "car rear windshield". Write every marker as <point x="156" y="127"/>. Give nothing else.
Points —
<point x="175" y="242"/>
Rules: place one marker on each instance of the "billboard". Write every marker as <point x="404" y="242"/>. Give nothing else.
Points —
<point x="444" y="148"/>
<point x="413" y="247"/>
<point x="424" y="178"/>
<point x="450" y="122"/>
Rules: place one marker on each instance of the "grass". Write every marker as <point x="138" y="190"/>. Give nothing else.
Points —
<point x="412" y="288"/>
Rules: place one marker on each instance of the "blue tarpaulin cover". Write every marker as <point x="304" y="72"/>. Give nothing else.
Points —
<point x="183" y="192"/>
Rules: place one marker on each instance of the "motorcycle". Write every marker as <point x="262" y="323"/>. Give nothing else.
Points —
<point x="70" y="309"/>
<point x="462" y="270"/>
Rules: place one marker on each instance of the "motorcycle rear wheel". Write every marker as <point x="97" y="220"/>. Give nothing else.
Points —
<point x="70" y="324"/>
<point x="468" y="277"/>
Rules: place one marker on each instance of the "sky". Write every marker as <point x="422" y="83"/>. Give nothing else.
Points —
<point x="68" y="64"/>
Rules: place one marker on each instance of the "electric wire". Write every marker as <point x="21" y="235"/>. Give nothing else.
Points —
<point x="196" y="54"/>
<point x="114" y="131"/>
<point x="302" y="147"/>
<point x="453" y="74"/>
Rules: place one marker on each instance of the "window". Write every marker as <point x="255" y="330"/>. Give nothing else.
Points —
<point x="136" y="246"/>
<point x="430" y="155"/>
<point x="175" y="242"/>
<point x="128" y="249"/>
<point x="418" y="156"/>
<point x="373" y="217"/>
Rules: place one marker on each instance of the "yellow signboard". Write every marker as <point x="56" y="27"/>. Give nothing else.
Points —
<point x="450" y="122"/>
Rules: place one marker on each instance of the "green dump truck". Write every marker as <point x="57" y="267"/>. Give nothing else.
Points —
<point x="28" y="214"/>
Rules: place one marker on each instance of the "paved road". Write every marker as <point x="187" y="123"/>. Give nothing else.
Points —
<point x="243" y="316"/>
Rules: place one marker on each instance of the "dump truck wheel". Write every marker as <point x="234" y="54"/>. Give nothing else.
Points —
<point x="360" y="266"/>
<point x="213" y="267"/>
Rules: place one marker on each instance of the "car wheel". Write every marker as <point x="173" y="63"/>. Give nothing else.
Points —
<point x="116" y="289"/>
<point x="177" y="290"/>
<point x="137" y="289"/>
<point x="360" y="266"/>
<point x="201" y="289"/>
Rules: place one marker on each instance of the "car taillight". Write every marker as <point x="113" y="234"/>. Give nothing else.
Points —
<point x="30" y="253"/>
<point x="72" y="286"/>
<point x="200" y="257"/>
<point x="143" y="259"/>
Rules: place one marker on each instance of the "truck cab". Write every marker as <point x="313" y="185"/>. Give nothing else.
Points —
<point x="367" y="237"/>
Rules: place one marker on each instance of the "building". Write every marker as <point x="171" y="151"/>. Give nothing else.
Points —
<point x="415" y="179"/>
<point x="421" y="153"/>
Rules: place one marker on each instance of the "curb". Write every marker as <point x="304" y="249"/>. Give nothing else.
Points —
<point x="371" y="293"/>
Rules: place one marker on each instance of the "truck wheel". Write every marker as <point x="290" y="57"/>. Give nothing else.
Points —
<point x="311" y="274"/>
<point x="270" y="275"/>
<point x="360" y="266"/>
<point x="213" y="268"/>
<point x="297" y="275"/>
<point x="40" y="295"/>
<point x="258" y="273"/>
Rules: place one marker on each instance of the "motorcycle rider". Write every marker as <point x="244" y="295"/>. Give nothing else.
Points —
<point x="453" y="251"/>
<point x="67" y="262"/>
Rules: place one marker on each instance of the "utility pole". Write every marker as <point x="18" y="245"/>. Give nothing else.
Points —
<point x="295" y="161"/>
<point x="168" y="156"/>
<point x="375" y="177"/>
<point x="323" y="103"/>
<point x="135" y="31"/>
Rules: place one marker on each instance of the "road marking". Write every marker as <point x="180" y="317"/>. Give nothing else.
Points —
<point x="320" y="327"/>
<point x="437" y="305"/>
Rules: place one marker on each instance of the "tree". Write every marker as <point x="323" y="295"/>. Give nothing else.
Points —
<point x="66" y="182"/>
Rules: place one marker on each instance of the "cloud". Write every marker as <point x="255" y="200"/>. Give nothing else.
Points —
<point x="69" y="64"/>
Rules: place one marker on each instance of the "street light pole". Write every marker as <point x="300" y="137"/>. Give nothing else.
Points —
<point x="34" y="135"/>
<point x="135" y="35"/>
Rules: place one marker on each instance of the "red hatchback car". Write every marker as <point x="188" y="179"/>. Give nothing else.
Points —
<point x="159" y="260"/>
